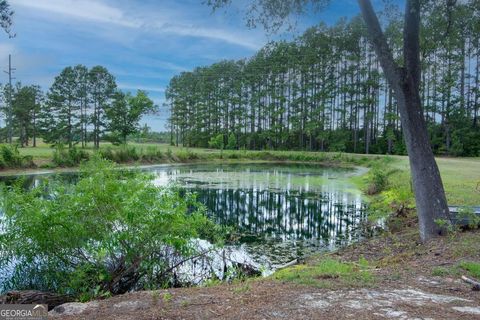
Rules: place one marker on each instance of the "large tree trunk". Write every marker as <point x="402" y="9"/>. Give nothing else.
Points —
<point x="427" y="183"/>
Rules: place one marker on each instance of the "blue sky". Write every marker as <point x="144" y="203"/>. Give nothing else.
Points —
<point x="142" y="42"/>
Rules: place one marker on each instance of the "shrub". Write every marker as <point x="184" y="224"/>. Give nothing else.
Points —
<point x="109" y="233"/>
<point x="216" y="142"/>
<point x="10" y="157"/>
<point x="126" y="154"/>
<point x="152" y="154"/>
<point x="107" y="154"/>
<point x="68" y="157"/>
<point x="232" y="142"/>
<point x="377" y="180"/>
<point x="185" y="155"/>
<point x="121" y="155"/>
<point x="467" y="215"/>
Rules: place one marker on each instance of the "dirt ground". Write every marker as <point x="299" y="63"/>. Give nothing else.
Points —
<point x="406" y="286"/>
<point x="429" y="299"/>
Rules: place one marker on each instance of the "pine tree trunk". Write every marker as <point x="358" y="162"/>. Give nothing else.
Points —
<point x="405" y="82"/>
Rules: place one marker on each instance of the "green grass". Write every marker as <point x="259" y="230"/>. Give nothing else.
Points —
<point x="473" y="268"/>
<point x="461" y="178"/>
<point x="445" y="271"/>
<point x="328" y="273"/>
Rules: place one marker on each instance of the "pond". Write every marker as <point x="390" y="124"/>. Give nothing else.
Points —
<point x="279" y="211"/>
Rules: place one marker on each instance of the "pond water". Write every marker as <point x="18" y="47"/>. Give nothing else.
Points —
<point x="279" y="211"/>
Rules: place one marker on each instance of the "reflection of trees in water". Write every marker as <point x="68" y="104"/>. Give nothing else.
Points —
<point x="287" y="215"/>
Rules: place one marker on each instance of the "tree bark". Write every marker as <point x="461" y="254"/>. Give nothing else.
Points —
<point x="428" y="187"/>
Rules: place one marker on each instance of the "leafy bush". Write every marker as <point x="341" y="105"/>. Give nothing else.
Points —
<point x="10" y="157"/>
<point x="152" y="154"/>
<point x="216" y="142"/>
<point x="469" y="216"/>
<point x="232" y="142"/>
<point x="377" y="180"/>
<point x="68" y="157"/>
<point x="121" y="155"/>
<point x="109" y="233"/>
<point x="184" y="155"/>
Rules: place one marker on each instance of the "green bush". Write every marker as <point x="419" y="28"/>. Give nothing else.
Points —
<point x="232" y="142"/>
<point x="468" y="215"/>
<point x="377" y="180"/>
<point x="69" y="157"/>
<point x="111" y="232"/>
<point x="123" y="154"/>
<point x="10" y="157"/>
<point x="216" y="142"/>
<point x="152" y="154"/>
<point x="185" y="155"/>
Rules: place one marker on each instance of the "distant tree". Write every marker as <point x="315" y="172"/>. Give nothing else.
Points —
<point x="82" y="95"/>
<point x="125" y="112"/>
<point x="60" y="119"/>
<point x="102" y="87"/>
<point x="26" y="104"/>
<point x="403" y="77"/>
<point x="6" y="15"/>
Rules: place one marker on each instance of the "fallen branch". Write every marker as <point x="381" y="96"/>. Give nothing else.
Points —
<point x="475" y="284"/>
<point x="288" y="264"/>
<point x="34" y="297"/>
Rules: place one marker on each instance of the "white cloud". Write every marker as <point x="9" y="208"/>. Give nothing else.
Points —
<point x="92" y="10"/>
<point x="236" y="38"/>
<point x="100" y="11"/>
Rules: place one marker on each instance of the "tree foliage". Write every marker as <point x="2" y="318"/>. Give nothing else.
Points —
<point x="108" y="233"/>
<point x="326" y="90"/>
<point x="6" y="14"/>
<point x="125" y="113"/>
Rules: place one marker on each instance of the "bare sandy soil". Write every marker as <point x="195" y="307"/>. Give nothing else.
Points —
<point x="404" y="288"/>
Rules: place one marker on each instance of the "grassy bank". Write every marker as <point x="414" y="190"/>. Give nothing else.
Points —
<point x="461" y="176"/>
<point x="396" y="256"/>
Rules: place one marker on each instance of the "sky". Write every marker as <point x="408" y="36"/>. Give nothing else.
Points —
<point x="143" y="43"/>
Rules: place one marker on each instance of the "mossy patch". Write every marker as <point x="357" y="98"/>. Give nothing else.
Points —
<point x="328" y="273"/>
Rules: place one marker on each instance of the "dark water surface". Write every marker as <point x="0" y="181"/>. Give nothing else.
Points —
<point x="280" y="211"/>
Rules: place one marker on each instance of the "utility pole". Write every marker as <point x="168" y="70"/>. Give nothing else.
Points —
<point x="9" y="108"/>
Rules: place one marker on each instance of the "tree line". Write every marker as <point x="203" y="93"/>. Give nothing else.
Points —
<point x="82" y="105"/>
<point x="326" y="90"/>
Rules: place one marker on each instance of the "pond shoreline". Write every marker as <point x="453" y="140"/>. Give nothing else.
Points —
<point x="144" y="165"/>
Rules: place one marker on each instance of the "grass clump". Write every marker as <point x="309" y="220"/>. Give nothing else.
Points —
<point x="444" y="271"/>
<point x="328" y="273"/>
<point x="473" y="268"/>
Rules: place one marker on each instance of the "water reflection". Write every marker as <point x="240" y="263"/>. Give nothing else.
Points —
<point x="280" y="211"/>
